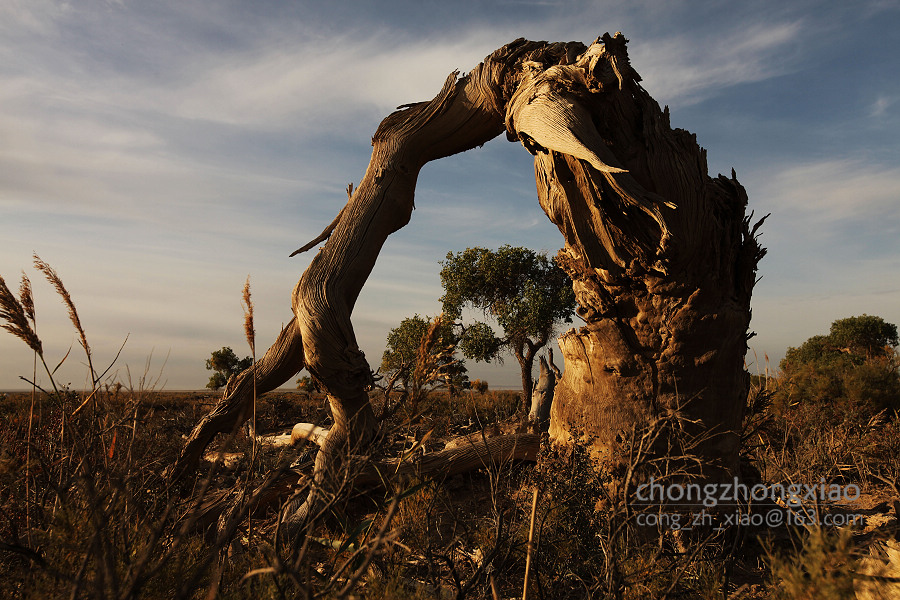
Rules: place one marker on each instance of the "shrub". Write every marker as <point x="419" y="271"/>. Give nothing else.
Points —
<point x="226" y="364"/>
<point x="848" y="375"/>
<point x="479" y="386"/>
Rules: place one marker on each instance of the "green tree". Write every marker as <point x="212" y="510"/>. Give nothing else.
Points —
<point x="852" y="371"/>
<point x="865" y="336"/>
<point x="307" y="384"/>
<point x="225" y="363"/>
<point x="524" y="291"/>
<point x="405" y="343"/>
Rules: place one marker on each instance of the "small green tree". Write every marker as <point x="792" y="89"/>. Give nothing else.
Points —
<point x="852" y="371"/>
<point x="225" y="363"/>
<point x="479" y="385"/>
<point x="404" y="344"/>
<point x="523" y="290"/>
<point x="307" y="384"/>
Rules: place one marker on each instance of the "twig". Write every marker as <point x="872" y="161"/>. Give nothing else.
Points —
<point x="530" y="544"/>
<point x="327" y="232"/>
<point x="379" y="539"/>
<point x="83" y="404"/>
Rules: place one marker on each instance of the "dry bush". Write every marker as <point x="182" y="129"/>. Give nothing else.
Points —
<point x="86" y="512"/>
<point x="798" y="444"/>
<point x="590" y="542"/>
<point x="479" y="385"/>
<point x="822" y="566"/>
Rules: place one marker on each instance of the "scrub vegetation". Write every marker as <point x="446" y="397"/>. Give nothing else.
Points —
<point x="87" y="512"/>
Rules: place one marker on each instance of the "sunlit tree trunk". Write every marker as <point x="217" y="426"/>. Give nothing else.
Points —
<point x="542" y="396"/>
<point x="662" y="257"/>
<point x="663" y="261"/>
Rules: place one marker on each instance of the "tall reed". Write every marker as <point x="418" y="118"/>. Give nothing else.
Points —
<point x="57" y="284"/>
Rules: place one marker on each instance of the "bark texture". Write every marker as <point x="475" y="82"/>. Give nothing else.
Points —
<point x="662" y="256"/>
<point x="663" y="262"/>
<point x="542" y="396"/>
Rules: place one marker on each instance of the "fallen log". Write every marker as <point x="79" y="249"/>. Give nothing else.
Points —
<point x="309" y="432"/>
<point x="363" y="472"/>
<point x="486" y="452"/>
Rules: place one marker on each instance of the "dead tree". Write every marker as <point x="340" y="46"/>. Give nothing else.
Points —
<point x="662" y="256"/>
<point x="663" y="262"/>
<point x="542" y="396"/>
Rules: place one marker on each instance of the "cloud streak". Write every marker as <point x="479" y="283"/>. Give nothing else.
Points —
<point x="157" y="153"/>
<point x="828" y="193"/>
<point x="686" y="69"/>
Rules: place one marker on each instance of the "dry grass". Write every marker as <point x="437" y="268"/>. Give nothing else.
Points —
<point x="111" y="527"/>
<point x="85" y="513"/>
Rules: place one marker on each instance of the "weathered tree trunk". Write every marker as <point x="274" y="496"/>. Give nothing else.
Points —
<point x="468" y="112"/>
<point x="661" y="256"/>
<point x="525" y="357"/>
<point x="280" y="362"/>
<point x="542" y="396"/>
<point x="663" y="262"/>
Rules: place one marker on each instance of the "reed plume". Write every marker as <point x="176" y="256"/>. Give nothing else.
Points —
<point x="433" y="362"/>
<point x="57" y="283"/>
<point x="15" y="314"/>
<point x="248" y="317"/>
<point x="26" y="297"/>
<point x="250" y="334"/>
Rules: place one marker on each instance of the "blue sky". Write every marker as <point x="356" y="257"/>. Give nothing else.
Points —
<point x="156" y="153"/>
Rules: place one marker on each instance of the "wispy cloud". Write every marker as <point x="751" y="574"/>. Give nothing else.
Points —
<point x="834" y="191"/>
<point x="688" y="68"/>
<point x="304" y="84"/>
<point x="159" y="152"/>
<point x="881" y="106"/>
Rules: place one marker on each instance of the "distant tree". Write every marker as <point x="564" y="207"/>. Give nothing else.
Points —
<point x="523" y="290"/>
<point x="479" y="385"/>
<point x="307" y="384"/>
<point x="404" y="344"/>
<point x="865" y="336"/>
<point x="851" y="371"/>
<point x="225" y="363"/>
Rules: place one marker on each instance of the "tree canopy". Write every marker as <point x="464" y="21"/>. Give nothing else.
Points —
<point x="405" y="343"/>
<point x="851" y="341"/>
<point x="852" y="369"/>
<point x="525" y="291"/>
<point x="867" y="336"/>
<point x="225" y="363"/>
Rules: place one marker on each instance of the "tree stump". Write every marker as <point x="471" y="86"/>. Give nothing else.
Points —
<point x="542" y="396"/>
<point x="663" y="262"/>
